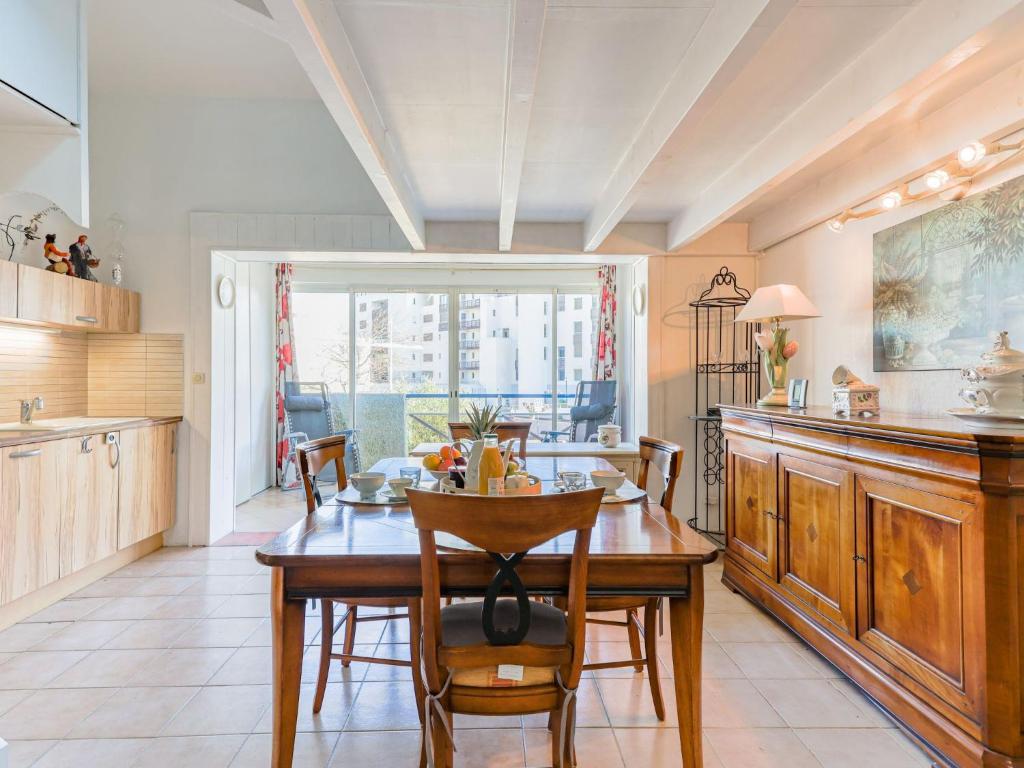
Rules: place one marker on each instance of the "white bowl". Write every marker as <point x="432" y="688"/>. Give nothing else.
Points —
<point x="437" y="474"/>
<point x="367" y="483"/>
<point x="609" y="479"/>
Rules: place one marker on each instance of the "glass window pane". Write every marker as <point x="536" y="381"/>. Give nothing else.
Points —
<point x="577" y="328"/>
<point x="322" y="347"/>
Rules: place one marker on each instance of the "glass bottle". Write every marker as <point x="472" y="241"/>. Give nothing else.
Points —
<point x="491" y="464"/>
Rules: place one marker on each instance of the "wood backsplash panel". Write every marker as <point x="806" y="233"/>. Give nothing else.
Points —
<point x="136" y="375"/>
<point x="39" y="362"/>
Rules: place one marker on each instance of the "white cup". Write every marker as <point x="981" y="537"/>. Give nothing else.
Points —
<point x="399" y="485"/>
<point x="609" y="435"/>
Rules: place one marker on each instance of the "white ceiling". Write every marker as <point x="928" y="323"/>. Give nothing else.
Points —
<point x="186" y="48"/>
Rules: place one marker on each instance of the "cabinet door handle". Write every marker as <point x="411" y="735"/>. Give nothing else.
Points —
<point x="86" y="319"/>
<point x="859" y="559"/>
<point x="85" y="444"/>
<point x="772" y="515"/>
<point x="26" y="454"/>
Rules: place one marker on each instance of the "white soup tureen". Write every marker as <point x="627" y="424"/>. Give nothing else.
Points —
<point x="997" y="385"/>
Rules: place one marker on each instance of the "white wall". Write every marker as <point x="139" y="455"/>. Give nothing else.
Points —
<point x="835" y="271"/>
<point x="155" y="160"/>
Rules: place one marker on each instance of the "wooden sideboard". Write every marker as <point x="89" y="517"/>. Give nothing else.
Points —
<point x="894" y="545"/>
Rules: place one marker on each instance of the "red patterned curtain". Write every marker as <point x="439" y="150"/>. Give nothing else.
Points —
<point x="285" y="349"/>
<point x="604" y="361"/>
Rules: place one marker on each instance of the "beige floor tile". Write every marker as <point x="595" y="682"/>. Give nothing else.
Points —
<point x="384" y="706"/>
<point x="258" y="584"/>
<point x="241" y="605"/>
<point x="489" y="749"/>
<point x="629" y="704"/>
<point x="111" y="587"/>
<point x="381" y="672"/>
<point x="163" y="585"/>
<point x="50" y="714"/>
<point x="393" y="748"/>
<point x="221" y="710"/>
<point x="8" y="699"/>
<point x="21" y="637"/>
<point x="656" y="748"/>
<point x="70" y="609"/>
<point x="92" y="752"/>
<point x="745" y="628"/>
<point x="181" y="666"/>
<point x="264" y="633"/>
<point x="151" y="633"/>
<point x="853" y="748"/>
<point x="812" y="704"/>
<point x="193" y="751"/>
<point x="771" y="661"/>
<point x="488" y="722"/>
<point x="142" y="568"/>
<point x="353" y="673"/>
<point x="34" y="670"/>
<point x="716" y="663"/>
<point x="213" y="568"/>
<point x="724" y="601"/>
<point x="219" y="585"/>
<point x="759" y="748"/>
<point x="601" y="652"/>
<point x="186" y="607"/>
<point x="312" y="750"/>
<point x="105" y="669"/>
<point x="824" y="667"/>
<point x="120" y="608"/>
<point x="867" y="707"/>
<point x="217" y="633"/>
<point x="590" y="706"/>
<point x="595" y="748"/>
<point x="83" y="636"/>
<point x="25" y="753"/>
<point x="247" y="666"/>
<point x="133" y="713"/>
<point x="736" y="704"/>
<point x="338" y="701"/>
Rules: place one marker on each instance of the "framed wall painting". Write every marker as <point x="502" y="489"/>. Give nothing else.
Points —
<point x="948" y="281"/>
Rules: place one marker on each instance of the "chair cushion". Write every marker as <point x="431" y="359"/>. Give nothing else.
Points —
<point x="462" y="623"/>
<point x="304" y="403"/>
<point x="487" y="677"/>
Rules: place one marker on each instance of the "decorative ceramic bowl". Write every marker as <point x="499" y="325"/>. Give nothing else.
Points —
<point x="608" y="479"/>
<point x="438" y="474"/>
<point x="367" y="483"/>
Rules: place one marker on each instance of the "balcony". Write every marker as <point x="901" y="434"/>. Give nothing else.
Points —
<point x="469" y="343"/>
<point x="469" y="365"/>
<point x="469" y="324"/>
<point x="469" y="303"/>
<point x="442" y="326"/>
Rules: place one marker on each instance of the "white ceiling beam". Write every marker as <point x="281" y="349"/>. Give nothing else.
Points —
<point x="526" y="28"/>
<point x="730" y="36"/>
<point x="248" y="12"/>
<point x="324" y="51"/>
<point x="896" y="67"/>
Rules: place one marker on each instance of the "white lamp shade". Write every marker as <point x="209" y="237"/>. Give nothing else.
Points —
<point x="777" y="302"/>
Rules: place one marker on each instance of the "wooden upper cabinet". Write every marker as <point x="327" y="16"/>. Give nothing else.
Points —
<point x="919" y="587"/>
<point x="8" y="290"/>
<point x="751" y="525"/>
<point x="33" y="494"/>
<point x="122" y="309"/>
<point x="89" y="522"/>
<point x="88" y="304"/>
<point x="44" y="297"/>
<point x="147" y="482"/>
<point x="816" y="539"/>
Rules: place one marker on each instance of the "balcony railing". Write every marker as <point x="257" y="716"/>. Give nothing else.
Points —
<point x="469" y="303"/>
<point x="469" y="343"/>
<point x="469" y="324"/>
<point x="469" y="365"/>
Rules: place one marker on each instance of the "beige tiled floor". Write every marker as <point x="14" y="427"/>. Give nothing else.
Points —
<point x="167" y="663"/>
<point x="272" y="510"/>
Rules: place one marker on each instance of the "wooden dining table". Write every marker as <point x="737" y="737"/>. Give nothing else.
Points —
<point x="350" y="550"/>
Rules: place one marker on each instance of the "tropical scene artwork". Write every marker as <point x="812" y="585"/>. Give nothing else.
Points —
<point x="947" y="282"/>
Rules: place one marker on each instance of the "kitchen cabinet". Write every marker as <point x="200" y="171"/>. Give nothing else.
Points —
<point x="44" y="297"/>
<point x="89" y="520"/>
<point x="147" y="482"/>
<point x="89" y="304"/>
<point x="33" y="492"/>
<point x="752" y="521"/>
<point x="8" y="290"/>
<point x="40" y="53"/>
<point x="122" y="308"/>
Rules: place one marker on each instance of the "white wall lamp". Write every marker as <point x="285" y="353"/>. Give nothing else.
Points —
<point x="953" y="179"/>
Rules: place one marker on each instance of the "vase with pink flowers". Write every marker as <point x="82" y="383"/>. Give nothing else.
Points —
<point x="776" y="352"/>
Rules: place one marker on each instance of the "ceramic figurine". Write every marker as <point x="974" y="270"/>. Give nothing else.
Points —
<point x="997" y="385"/>
<point x="82" y="258"/>
<point x="59" y="261"/>
<point x="851" y="396"/>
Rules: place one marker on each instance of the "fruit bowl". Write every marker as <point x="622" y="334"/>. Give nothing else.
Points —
<point x="437" y="474"/>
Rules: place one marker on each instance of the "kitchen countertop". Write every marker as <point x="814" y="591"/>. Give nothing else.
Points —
<point x="21" y="437"/>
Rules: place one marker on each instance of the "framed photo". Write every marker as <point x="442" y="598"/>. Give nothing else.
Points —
<point x="798" y="393"/>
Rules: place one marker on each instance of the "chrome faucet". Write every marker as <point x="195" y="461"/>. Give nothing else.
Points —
<point x="29" y="407"/>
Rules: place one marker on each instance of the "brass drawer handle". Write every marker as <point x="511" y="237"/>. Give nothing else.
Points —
<point x="86" y="319"/>
<point x="859" y="559"/>
<point x="26" y="454"/>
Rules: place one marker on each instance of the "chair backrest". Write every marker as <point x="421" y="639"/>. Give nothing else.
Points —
<point x="505" y="524"/>
<point x="505" y="430"/>
<point x="595" y="405"/>
<point x="667" y="458"/>
<point x="313" y="456"/>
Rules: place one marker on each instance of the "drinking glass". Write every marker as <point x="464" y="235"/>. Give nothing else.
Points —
<point x="411" y="473"/>
<point x="574" y="481"/>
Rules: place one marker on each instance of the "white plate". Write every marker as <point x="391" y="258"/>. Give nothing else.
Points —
<point x="988" y="420"/>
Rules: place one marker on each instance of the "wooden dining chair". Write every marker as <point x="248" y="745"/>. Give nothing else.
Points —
<point x="504" y="655"/>
<point x="667" y="460"/>
<point x="505" y="430"/>
<point x="312" y="457"/>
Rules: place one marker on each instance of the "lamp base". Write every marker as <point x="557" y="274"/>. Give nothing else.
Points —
<point x="777" y="398"/>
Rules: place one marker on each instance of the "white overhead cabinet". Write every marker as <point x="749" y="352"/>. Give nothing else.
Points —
<point x="40" y="53"/>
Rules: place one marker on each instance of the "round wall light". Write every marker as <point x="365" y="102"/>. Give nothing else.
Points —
<point x="891" y="200"/>
<point x="936" y="179"/>
<point x="971" y="154"/>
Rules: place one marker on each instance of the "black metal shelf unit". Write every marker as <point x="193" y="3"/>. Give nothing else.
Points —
<point x="727" y="371"/>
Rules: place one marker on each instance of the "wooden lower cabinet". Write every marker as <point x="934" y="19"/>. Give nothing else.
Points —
<point x="147" y="482"/>
<point x="89" y="520"/>
<point x="897" y="554"/>
<point x="33" y="492"/>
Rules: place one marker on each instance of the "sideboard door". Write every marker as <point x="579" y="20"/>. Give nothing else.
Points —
<point x="920" y="605"/>
<point x="816" y="539"/>
<point x="751" y="524"/>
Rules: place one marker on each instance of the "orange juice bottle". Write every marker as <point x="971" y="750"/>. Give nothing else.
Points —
<point x="491" y="464"/>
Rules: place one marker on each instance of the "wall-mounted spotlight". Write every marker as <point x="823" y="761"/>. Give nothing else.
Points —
<point x="891" y="200"/>
<point x="936" y="179"/>
<point x="971" y="154"/>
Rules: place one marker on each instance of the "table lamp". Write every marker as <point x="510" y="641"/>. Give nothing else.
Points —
<point x="774" y="304"/>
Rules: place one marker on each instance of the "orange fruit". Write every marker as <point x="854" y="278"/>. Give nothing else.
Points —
<point x="456" y="453"/>
<point x="446" y="452"/>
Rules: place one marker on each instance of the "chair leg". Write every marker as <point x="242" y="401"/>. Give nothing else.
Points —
<point x="350" y="633"/>
<point x="569" y="748"/>
<point x="326" y="646"/>
<point x="633" y="631"/>
<point x="651" y="652"/>
<point x="415" y="629"/>
<point x="554" y="723"/>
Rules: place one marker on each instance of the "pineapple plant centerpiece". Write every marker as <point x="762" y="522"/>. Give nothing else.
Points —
<point x="482" y="421"/>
